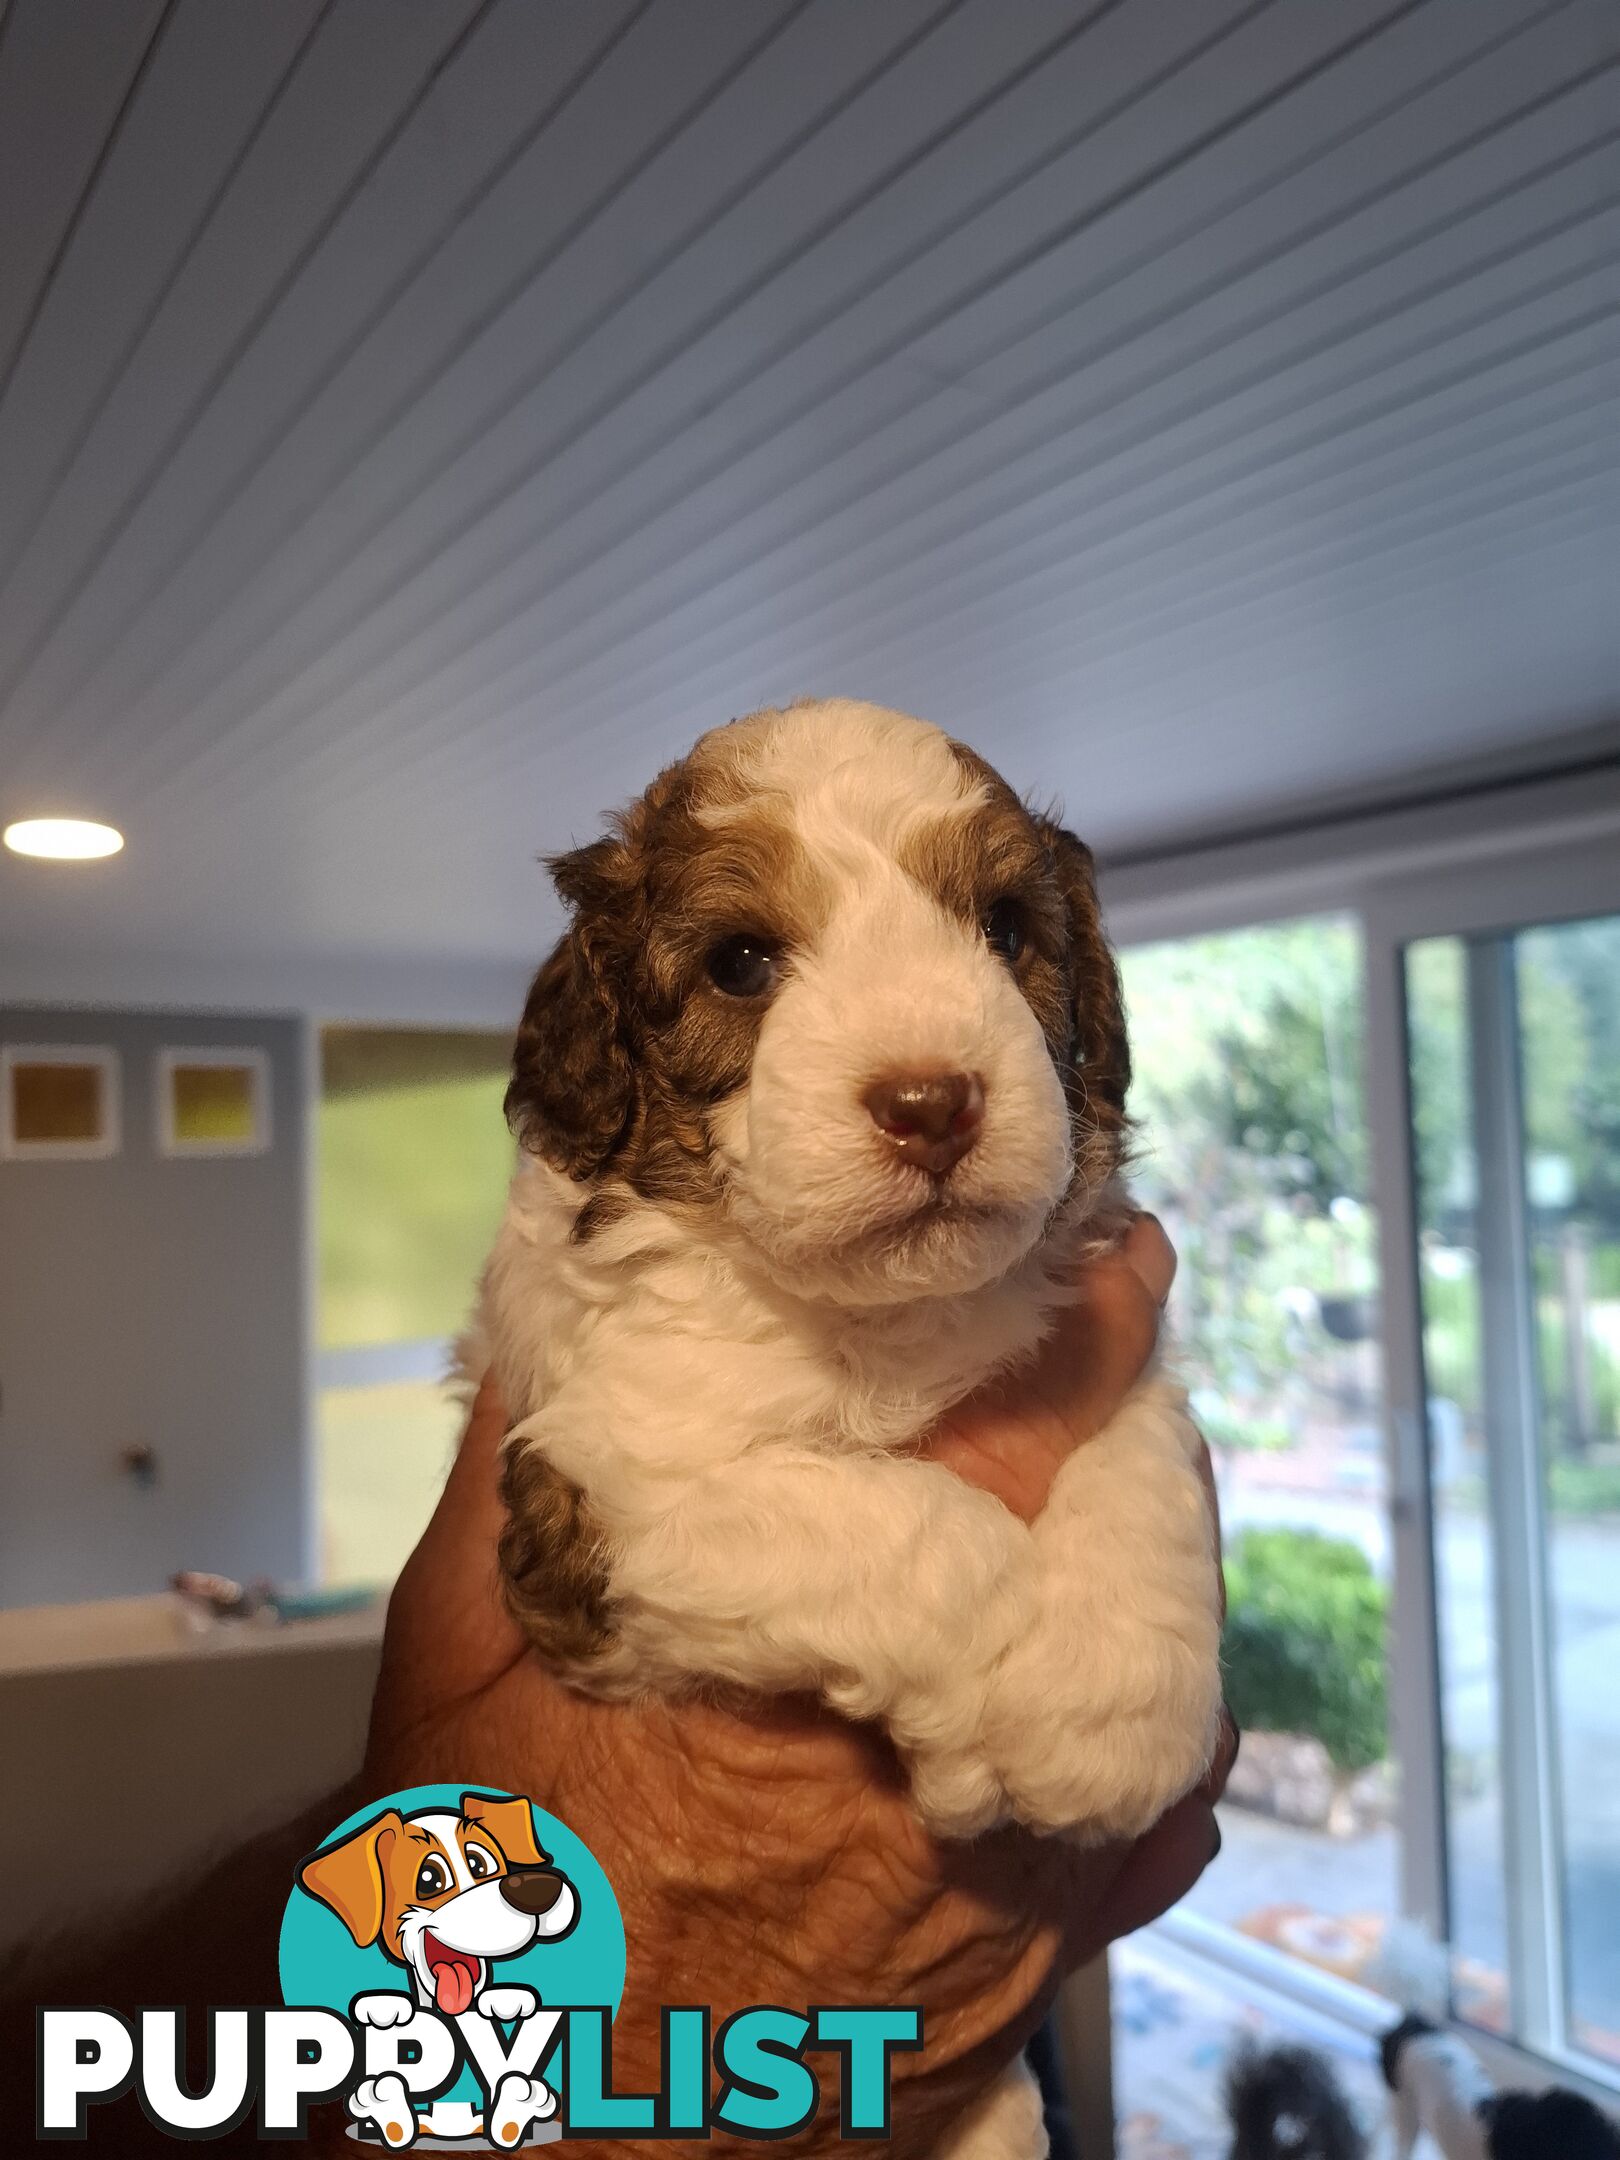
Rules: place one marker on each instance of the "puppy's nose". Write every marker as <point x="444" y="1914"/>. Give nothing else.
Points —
<point x="931" y="1118"/>
<point x="532" y="1890"/>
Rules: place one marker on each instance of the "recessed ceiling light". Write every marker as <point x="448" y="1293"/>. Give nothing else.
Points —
<point x="63" y="839"/>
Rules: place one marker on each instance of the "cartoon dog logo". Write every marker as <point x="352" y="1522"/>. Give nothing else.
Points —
<point x="444" y="1895"/>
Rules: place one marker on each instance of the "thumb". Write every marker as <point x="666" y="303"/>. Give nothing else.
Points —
<point x="1013" y="1437"/>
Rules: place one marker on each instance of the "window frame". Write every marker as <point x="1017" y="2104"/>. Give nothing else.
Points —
<point x="1486" y="904"/>
<point x="336" y="1367"/>
<point x="100" y="1057"/>
<point x="222" y="1057"/>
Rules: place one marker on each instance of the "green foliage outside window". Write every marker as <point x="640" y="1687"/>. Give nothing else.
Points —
<point x="1304" y="1648"/>
<point x="1248" y="1051"/>
<point x="1247" y="1048"/>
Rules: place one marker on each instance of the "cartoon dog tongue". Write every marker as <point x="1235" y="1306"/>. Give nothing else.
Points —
<point x="453" y="1979"/>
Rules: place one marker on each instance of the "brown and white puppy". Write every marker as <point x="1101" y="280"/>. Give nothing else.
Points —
<point x="821" y="1095"/>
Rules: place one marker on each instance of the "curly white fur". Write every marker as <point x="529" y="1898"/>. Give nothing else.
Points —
<point x="748" y="1460"/>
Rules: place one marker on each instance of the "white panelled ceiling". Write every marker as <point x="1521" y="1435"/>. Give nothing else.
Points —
<point x="418" y="418"/>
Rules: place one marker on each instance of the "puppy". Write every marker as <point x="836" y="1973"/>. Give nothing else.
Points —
<point x="821" y="1098"/>
<point x="444" y="1895"/>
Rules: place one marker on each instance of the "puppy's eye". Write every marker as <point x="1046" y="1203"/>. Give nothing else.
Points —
<point x="744" y="966"/>
<point x="432" y="1877"/>
<point x="1005" y="931"/>
<point x="479" y="1864"/>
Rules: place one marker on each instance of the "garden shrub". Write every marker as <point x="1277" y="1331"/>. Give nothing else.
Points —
<point x="1305" y="1648"/>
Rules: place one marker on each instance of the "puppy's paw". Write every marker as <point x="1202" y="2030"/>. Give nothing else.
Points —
<point x="1143" y="1768"/>
<point x="519" y="2104"/>
<point x="507" y="2003"/>
<point x="955" y="1791"/>
<point x="1099" y="1763"/>
<point x="1105" y="1712"/>
<point x="383" y="2010"/>
<point x="386" y="2105"/>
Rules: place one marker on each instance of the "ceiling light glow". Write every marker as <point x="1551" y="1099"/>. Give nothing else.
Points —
<point x="62" y="839"/>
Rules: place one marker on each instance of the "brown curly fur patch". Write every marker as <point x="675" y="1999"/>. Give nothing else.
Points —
<point x="553" y="1570"/>
<point x="624" y="1045"/>
<point x="1003" y="850"/>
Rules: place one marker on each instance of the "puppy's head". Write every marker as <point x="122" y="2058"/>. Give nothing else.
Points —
<point x="830" y="981"/>
<point x="444" y="1894"/>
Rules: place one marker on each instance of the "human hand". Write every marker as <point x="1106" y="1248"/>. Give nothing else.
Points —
<point x="769" y="1853"/>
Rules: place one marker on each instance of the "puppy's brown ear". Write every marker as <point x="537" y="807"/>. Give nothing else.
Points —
<point x="1100" y="1050"/>
<point x="572" y="1091"/>
<point x="349" y="1877"/>
<point x="510" y="1823"/>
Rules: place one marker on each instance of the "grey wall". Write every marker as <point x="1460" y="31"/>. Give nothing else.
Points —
<point x="154" y="1302"/>
<point x="208" y="1750"/>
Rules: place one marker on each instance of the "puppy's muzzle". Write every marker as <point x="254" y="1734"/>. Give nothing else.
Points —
<point x="930" y="1119"/>
<point x="532" y="1891"/>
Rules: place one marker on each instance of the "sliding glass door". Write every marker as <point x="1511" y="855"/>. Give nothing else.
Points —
<point x="1493" y="1105"/>
<point x="1387" y="1143"/>
<point x="1514" y="1063"/>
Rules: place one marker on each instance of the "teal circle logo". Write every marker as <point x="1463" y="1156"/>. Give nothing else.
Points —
<point x="456" y="1900"/>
